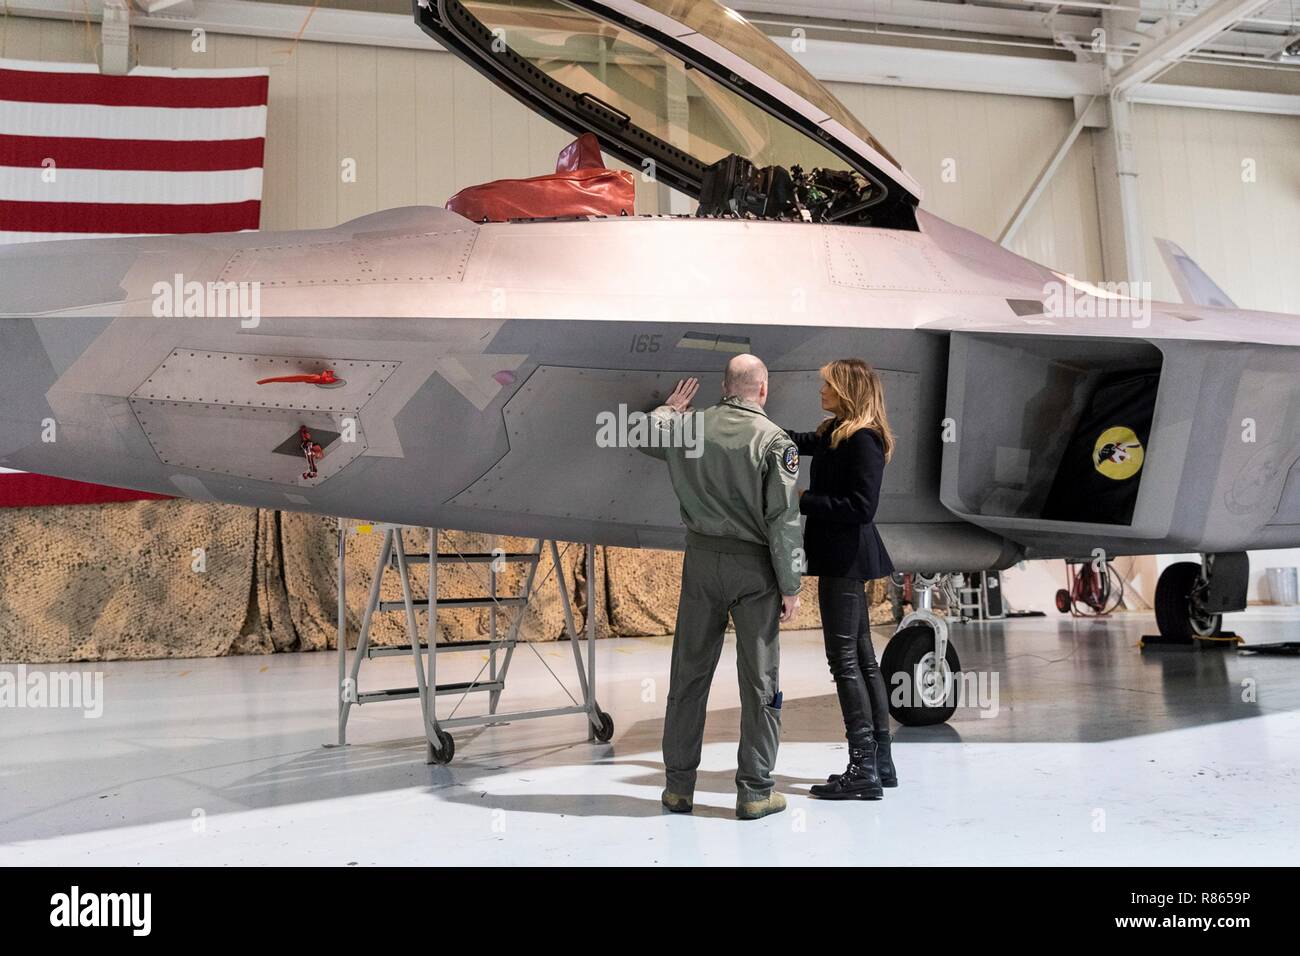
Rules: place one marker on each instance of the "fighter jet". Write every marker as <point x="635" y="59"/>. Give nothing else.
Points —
<point x="426" y="367"/>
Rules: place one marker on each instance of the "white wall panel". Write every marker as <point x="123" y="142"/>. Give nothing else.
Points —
<point x="1244" y="234"/>
<point x="997" y="146"/>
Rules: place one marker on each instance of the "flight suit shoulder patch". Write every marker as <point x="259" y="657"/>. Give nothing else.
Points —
<point x="790" y="460"/>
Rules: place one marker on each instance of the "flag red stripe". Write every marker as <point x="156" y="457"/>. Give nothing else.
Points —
<point x="149" y="218"/>
<point x="29" y="86"/>
<point x="34" y="491"/>
<point x="173" y="156"/>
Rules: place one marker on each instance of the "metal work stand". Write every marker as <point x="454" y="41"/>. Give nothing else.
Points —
<point x="500" y="650"/>
<point x="969" y="603"/>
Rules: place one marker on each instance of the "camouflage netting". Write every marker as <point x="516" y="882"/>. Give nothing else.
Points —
<point x="157" y="579"/>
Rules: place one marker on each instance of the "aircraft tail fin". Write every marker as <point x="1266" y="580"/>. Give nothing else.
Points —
<point x="1194" y="286"/>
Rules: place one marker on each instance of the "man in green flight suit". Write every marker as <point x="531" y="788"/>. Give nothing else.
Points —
<point x="736" y="488"/>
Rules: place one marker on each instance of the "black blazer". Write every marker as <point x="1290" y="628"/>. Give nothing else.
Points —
<point x="840" y="537"/>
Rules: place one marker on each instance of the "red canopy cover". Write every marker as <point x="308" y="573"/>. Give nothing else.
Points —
<point x="580" y="186"/>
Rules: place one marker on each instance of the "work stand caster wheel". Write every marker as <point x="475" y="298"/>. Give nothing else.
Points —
<point x="605" y="731"/>
<point x="446" y="749"/>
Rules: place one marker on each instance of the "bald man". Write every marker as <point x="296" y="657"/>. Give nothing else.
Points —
<point x="738" y="500"/>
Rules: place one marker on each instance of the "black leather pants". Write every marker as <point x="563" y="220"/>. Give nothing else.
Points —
<point x="864" y="701"/>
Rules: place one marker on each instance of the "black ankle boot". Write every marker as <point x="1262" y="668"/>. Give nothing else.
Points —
<point x="859" y="782"/>
<point x="884" y="760"/>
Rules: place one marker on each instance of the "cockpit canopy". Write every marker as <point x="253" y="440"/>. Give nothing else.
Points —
<point x="686" y="90"/>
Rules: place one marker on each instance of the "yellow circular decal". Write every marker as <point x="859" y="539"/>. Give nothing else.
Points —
<point x="1118" y="453"/>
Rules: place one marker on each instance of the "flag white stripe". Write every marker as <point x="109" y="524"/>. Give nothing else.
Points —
<point x="28" y="184"/>
<point x="15" y="237"/>
<point x="85" y="120"/>
<point x="12" y="237"/>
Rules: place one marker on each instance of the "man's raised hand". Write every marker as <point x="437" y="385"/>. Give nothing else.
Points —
<point x="680" y="400"/>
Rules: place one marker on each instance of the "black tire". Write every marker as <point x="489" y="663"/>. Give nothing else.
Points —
<point x="1174" y="613"/>
<point x="1063" y="601"/>
<point x="446" y="750"/>
<point x="605" y="732"/>
<point x="902" y="656"/>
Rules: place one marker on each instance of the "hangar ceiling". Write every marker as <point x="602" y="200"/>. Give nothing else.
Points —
<point x="1258" y="37"/>
<point x="1224" y="54"/>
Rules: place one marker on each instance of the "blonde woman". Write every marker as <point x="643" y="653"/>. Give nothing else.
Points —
<point x="849" y="451"/>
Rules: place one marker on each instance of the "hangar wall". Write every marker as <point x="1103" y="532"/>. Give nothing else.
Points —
<point x="977" y="154"/>
<point x="1226" y="187"/>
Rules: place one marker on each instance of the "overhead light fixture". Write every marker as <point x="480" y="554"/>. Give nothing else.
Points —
<point x="1290" y="52"/>
<point x="114" y="53"/>
<point x="166" y="8"/>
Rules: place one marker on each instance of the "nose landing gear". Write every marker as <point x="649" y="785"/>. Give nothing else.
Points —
<point x="1191" y="598"/>
<point x="920" y="665"/>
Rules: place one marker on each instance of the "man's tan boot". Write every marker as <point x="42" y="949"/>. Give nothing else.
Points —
<point x="757" y="809"/>
<point x="676" y="802"/>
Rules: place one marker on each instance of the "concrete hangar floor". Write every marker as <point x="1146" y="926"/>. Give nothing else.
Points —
<point x="1096" y="754"/>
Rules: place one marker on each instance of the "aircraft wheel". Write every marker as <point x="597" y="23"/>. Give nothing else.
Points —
<point x="605" y="732"/>
<point x="1177" y="615"/>
<point x="446" y="749"/>
<point x="930" y="695"/>
<point x="1063" y="601"/>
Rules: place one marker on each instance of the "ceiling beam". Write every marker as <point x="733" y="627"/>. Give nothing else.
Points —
<point x="252" y="19"/>
<point x="957" y="70"/>
<point x="890" y="65"/>
<point x="1168" y="50"/>
<point x="927" y="14"/>
<point x="935" y="16"/>
<point x="1211" y="98"/>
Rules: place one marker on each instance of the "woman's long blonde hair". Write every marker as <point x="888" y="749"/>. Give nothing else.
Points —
<point x="862" y="402"/>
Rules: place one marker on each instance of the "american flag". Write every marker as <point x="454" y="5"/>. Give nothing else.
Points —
<point x="160" y="151"/>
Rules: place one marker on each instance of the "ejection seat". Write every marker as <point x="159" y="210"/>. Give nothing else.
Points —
<point x="580" y="186"/>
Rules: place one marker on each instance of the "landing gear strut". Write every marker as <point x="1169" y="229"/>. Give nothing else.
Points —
<point x="920" y="665"/>
<point x="1192" y="598"/>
